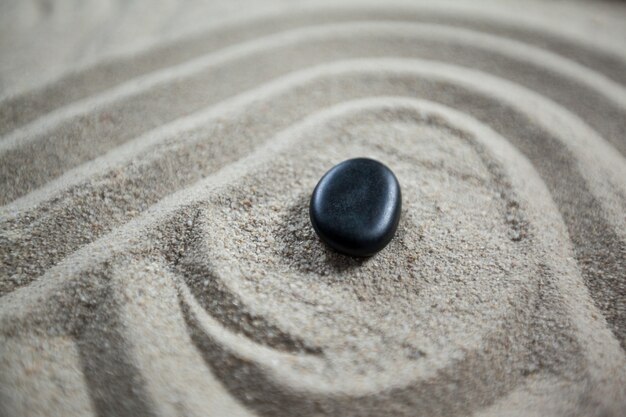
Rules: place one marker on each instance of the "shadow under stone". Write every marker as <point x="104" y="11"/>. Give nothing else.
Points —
<point x="301" y="249"/>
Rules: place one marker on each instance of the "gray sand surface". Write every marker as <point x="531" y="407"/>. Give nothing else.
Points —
<point x="157" y="255"/>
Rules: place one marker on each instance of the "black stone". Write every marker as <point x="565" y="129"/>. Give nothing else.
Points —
<point x="355" y="208"/>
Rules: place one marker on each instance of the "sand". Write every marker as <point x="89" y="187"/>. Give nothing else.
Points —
<point x="157" y="255"/>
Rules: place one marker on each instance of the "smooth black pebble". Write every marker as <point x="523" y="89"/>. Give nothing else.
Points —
<point x="355" y="208"/>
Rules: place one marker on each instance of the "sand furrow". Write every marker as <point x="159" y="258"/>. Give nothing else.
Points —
<point x="69" y="137"/>
<point x="541" y="144"/>
<point x="485" y="365"/>
<point x="156" y="252"/>
<point x="268" y="394"/>
<point x="20" y="110"/>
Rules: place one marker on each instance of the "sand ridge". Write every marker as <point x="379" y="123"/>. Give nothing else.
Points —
<point x="155" y="223"/>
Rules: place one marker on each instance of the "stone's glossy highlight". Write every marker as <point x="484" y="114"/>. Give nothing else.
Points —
<point x="355" y="208"/>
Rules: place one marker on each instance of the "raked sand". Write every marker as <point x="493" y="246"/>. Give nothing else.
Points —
<point x="157" y="255"/>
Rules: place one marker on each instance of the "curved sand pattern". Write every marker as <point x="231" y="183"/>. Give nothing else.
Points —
<point x="157" y="254"/>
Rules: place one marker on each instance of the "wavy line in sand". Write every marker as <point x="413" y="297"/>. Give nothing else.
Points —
<point x="271" y="394"/>
<point x="263" y="357"/>
<point x="598" y="260"/>
<point x="20" y="110"/>
<point x="139" y="105"/>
